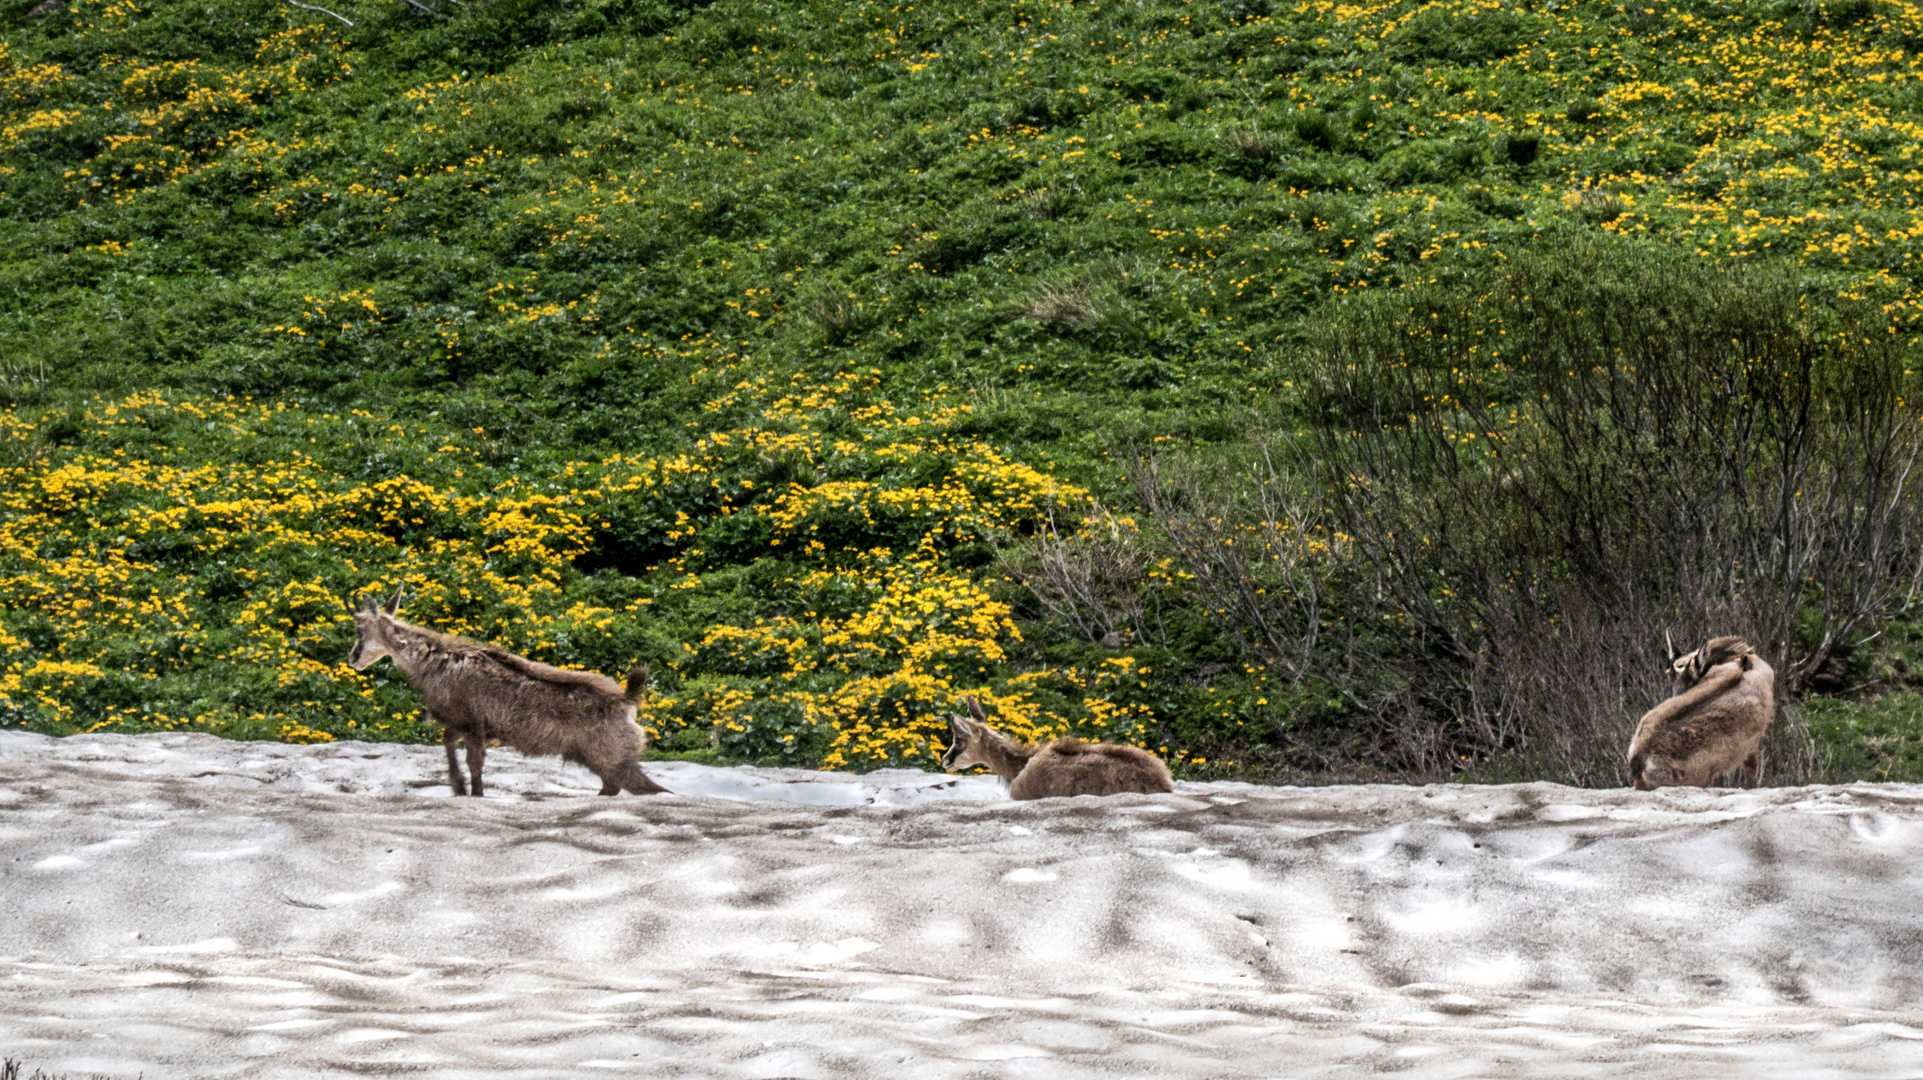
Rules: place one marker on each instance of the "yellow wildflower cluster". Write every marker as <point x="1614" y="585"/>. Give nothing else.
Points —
<point x="170" y="120"/>
<point x="1755" y="129"/>
<point x="1735" y="132"/>
<point x="883" y="633"/>
<point x="142" y="585"/>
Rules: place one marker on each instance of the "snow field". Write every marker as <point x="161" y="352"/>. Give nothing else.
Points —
<point x="182" y="906"/>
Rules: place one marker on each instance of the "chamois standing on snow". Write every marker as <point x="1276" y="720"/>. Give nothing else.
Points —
<point x="1063" y="767"/>
<point x="1722" y="697"/>
<point x="477" y="692"/>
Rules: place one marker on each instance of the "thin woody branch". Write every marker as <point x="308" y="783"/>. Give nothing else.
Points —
<point x="322" y="10"/>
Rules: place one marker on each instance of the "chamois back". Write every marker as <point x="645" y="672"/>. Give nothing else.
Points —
<point x="1071" y="767"/>
<point x="555" y="676"/>
<point x="1061" y="768"/>
<point x="1721" y="702"/>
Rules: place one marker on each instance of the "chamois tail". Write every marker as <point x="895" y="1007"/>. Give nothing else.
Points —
<point x="636" y="782"/>
<point x="637" y="683"/>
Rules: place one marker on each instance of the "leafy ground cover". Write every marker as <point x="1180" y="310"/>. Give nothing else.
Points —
<point x="157" y="589"/>
<point x="1880" y="739"/>
<point x="892" y="277"/>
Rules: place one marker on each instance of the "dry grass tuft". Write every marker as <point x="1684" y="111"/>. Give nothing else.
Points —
<point x="1601" y="206"/>
<point x="1042" y="204"/>
<point x="1255" y="144"/>
<point x="1065" y="307"/>
<point x="836" y="315"/>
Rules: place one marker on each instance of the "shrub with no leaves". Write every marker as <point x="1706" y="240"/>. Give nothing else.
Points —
<point x="1537" y="477"/>
<point x="1549" y="475"/>
<point x="839" y="315"/>
<point x="1092" y="580"/>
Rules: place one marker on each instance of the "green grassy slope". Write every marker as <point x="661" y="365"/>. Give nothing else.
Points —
<point x="550" y="234"/>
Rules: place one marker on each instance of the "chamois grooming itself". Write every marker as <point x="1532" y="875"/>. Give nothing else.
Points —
<point x="1063" y="767"/>
<point x="1722" y="697"/>
<point x="477" y="692"/>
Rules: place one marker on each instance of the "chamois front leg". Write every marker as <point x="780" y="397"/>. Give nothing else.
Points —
<point x="454" y="780"/>
<point x="1753" y="769"/>
<point x="476" y="755"/>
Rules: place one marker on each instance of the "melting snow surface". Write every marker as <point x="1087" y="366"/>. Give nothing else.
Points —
<point x="181" y="906"/>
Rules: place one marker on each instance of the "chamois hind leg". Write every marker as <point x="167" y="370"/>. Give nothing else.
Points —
<point x="454" y="780"/>
<point x="476" y="756"/>
<point x="1753" y="769"/>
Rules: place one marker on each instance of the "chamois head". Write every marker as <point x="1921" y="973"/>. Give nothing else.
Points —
<point x="966" y="735"/>
<point x="370" y="644"/>
<point x="1688" y="669"/>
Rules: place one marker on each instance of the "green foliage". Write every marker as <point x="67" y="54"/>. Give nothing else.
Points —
<point x="1878" y="739"/>
<point x="536" y="230"/>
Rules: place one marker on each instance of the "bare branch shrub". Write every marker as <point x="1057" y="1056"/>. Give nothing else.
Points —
<point x="989" y="398"/>
<point x="839" y="315"/>
<point x="1258" y="550"/>
<point x="19" y="379"/>
<point x="1268" y="566"/>
<point x="1503" y="498"/>
<point x="1548" y="477"/>
<point x="961" y="238"/>
<point x="1094" y="580"/>
<point x="1600" y="206"/>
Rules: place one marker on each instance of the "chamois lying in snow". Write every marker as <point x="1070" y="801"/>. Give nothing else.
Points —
<point x="478" y="692"/>
<point x="1722" y="697"/>
<point x="1063" y="767"/>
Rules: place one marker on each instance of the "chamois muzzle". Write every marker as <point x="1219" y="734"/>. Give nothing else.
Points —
<point x="957" y="743"/>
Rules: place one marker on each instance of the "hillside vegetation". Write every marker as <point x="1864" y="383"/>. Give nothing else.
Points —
<point x="827" y="356"/>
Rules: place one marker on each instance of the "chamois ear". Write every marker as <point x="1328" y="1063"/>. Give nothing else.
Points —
<point x="1700" y="665"/>
<point x="975" y="711"/>
<point x="368" y="603"/>
<point x="959" y="725"/>
<point x="394" y="603"/>
<point x="1669" y="645"/>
